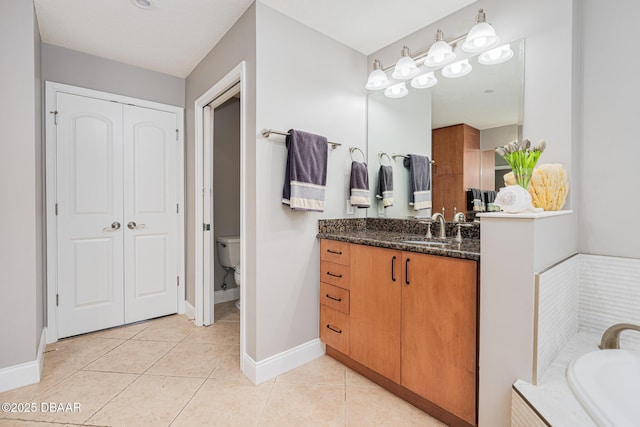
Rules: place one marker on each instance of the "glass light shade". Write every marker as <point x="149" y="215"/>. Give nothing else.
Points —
<point x="481" y="37"/>
<point x="424" y="81"/>
<point x="457" y="69"/>
<point x="440" y="53"/>
<point x="406" y="67"/>
<point x="496" y="56"/>
<point x="377" y="80"/>
<point x="396" y="91"/>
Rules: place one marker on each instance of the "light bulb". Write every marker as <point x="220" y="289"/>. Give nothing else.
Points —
<point x="440" y="52"/>
<point x="496" y="56"/>
<point x="457" y="69"/>
<point x="396" y="91"/>
<point x="424" y="81"/>
<point x="481" y="36"/>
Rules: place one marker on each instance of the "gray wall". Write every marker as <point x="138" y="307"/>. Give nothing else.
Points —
<point x="226" y="180"/>
<point x="75" y="68"/>
<point x="40" y="184"/>
<point x="239" y="44"/>
<point x="306" y="81"/>
<point x="21" y="283"/>
<point x="609" y="158"/>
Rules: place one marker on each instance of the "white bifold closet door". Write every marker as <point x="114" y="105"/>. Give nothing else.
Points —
<point x="117" y="229"/>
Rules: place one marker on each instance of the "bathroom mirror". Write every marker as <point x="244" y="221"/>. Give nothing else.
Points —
<point x="489" y="99"/>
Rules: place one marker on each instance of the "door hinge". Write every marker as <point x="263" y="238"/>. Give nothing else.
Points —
<point x="206" y="227"/>
<point x="177" y="135"/>
<point x="55" y="117"/>
<point x="178" y="281"/>
<point x="177" y="207"/>
<point x="57" y="300"/>
<point x="56" y="209"/>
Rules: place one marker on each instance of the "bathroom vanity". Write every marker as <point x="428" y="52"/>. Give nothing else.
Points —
<point x="404" y="315"/>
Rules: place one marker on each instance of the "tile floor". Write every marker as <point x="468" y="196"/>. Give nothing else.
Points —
<point x="167" y="372"/>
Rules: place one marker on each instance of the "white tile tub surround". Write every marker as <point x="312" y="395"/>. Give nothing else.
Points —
<point x="556" y="312"/>
<point x="609" y="294"/>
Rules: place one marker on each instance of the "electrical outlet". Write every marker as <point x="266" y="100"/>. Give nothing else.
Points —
<point x="350" y="209"/>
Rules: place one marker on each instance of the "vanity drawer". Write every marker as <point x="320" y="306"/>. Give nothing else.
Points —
<point x="334" y="251"/>
<point x="334" y="297"/>
<point x="334" y="274"/>
<point x="334" y="328"/>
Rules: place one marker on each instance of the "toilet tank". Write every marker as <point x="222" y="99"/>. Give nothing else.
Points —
<point x="228" y="250"/>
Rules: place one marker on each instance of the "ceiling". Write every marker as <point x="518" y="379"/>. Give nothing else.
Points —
<point x="173" y="36"/>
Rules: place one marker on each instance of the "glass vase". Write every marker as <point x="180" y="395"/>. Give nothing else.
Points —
<point x="522" y="175"/>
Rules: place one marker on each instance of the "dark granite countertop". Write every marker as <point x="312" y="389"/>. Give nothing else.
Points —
<point x="361" y="234"/>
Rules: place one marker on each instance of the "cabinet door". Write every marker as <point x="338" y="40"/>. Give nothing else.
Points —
<point x="375" y="309"/>
<point x="439" y="306"/>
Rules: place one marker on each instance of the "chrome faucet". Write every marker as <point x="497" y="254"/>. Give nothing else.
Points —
<point x="440" y="218"/>
<point x="611" y="337"/>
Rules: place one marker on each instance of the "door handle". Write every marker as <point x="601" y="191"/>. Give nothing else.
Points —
<point x="393" y="263"/>
<point x="115" y="226"/>
<point x="131" y="225"/>
<point x="406" y="271"/>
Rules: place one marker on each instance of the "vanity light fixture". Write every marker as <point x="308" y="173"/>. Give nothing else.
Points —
<point x="481" y="37"/>
<point x="457" y="69"/>
<point x="424" y="81"/>
<point x="496" y="56"/>
<point x="440" y="52"/>
<point x="378" y="78"/>
<point x="396" y="91"/>
<point x="406" y="67"/>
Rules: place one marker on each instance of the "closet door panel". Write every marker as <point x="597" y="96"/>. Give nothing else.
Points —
<point x="150" y="197"/>
<point x="89" y="150"/>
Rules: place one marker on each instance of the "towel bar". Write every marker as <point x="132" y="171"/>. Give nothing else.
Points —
<point x="396" y="155"/>
<point x="267" y="133"/>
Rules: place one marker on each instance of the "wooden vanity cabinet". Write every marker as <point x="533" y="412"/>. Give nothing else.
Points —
<point x="439" y="312"/>
<point x="411" y="327"/>
<point x="375" y="309"/>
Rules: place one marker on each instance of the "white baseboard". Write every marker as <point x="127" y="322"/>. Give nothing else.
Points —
<point x="264" y="370"/>
<point x="189" y="310"/>
<point x="231" y="294"/>
<point x="25" y="373"/>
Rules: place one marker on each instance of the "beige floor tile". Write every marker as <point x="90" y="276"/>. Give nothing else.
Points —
<point x="225" y="403"/>
<point x="78" y="352"/>
<point x="229" y="367"/>
<point x="227" y="333"/>
<point x="190" y="360"/>
<point x="171" y="328"/>
<point x="323" y="370"/>
<point x="150" y="400"/>
<point x="90" y="389"/>
<point x="122" y="332"/>
<point x="355" y="379"/>
<point x="369" y="406"/>
<point x="304" y="405"/>
<point x="227" y="312"/>
<point x="132" y="357"/>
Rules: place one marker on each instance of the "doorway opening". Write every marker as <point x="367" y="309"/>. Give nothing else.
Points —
<point x="220" y="153"/>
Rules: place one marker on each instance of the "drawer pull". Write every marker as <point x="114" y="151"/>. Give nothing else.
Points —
<point x="333" y="298"/>
<point x="334" y="329"/>
<point x="339" y="276"/>
<point x="334" y="252"/>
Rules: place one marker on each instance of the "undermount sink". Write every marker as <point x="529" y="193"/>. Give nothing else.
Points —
<point x="425" y="243"/>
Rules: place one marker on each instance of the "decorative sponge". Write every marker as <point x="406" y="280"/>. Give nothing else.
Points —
<point x="548" y="187"/>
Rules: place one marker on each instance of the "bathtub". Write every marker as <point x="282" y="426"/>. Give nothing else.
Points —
<point x="607" y="384"/>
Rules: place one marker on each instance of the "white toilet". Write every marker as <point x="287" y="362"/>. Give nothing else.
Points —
<point x="229" y="257"/>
